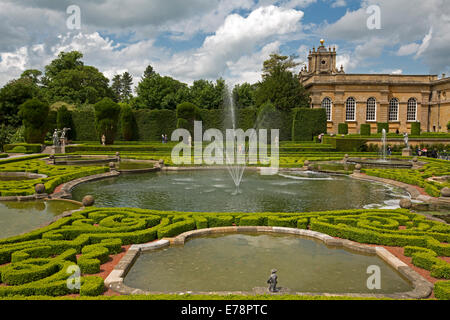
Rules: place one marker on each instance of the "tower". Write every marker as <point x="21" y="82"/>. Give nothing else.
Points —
<point x="322" y="60"/>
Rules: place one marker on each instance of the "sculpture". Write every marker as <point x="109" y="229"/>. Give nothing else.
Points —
<point x="103" y="140"/>
<point x="55" y="138"/>
<point x="273" y="280"/>
<point x="406" y="139"/>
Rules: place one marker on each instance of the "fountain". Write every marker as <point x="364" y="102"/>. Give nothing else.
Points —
<point x="236" y="154"/>
<point x="384" y="146"/>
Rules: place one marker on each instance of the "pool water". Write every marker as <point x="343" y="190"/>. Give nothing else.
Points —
<point x="241" y="262"/>
<point x="19" y="217"/>
<point x="211" y="191"/>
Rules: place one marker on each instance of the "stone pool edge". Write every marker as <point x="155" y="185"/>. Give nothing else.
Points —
<point x="422" y="287"/>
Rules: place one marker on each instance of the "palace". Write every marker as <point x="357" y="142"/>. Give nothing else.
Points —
<point x="358" y="99"/>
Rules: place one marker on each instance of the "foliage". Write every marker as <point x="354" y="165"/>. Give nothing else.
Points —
<point x="244" y="95"/>
<point x="308" y="123"/>
<point x="34" y="116"/>
<point x="121" y="87"/>
<point x="106" y="117"/>
<point x="365" y="129"/>
<point x="342" y="128"/>
<point x="88" y="237"/>
<point x="14" y="94"/>
<point x="128" y="123"/>
<point x="381" y="126"/>
<point x="187" y="113"/>
<point x="415" y="129"/>
<point x="206" y="94"/>
<point x="346" y="145"/>
<point x="64" y="120"/>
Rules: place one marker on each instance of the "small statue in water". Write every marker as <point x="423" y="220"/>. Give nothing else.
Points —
<point x="406" y="139"/>
<point x="273" y="280"/>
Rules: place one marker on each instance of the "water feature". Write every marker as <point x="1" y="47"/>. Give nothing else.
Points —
<point x="19" y="217"/>
<point x="236" y="155"/>
<point x="210" y="191"/>
<point x="241" y="262"/>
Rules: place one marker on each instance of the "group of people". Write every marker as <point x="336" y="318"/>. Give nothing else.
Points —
<point x="432" y="153"/>
<point x="164" y="138"/>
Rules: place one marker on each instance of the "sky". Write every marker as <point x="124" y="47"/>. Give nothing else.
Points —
<point x="210" y="39"/>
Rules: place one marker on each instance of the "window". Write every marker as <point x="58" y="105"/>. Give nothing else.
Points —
<point x="393" y="110"/>
<point x="412" y="110"/>
<point x="350" y="109"/>
<point x="326" y="103"/>
<point x="371" y="113"/>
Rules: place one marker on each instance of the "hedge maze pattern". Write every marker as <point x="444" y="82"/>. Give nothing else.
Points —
<point x="37" y="263"/>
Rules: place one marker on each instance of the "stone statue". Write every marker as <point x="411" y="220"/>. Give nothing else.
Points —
<point x="406" y="138"/>
<point x="273" y="280"/>
<point x="103" y="140"/>
<point x="55" y="138"/>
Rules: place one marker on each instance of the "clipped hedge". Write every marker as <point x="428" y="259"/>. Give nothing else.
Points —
<point x="381" y="126"/>
<point x="365" y="129"/>
<point x="442" y="290"/>
<point x="342" y="128"/>
<point x="308" y="123"/>
<point x="415" y="129"/>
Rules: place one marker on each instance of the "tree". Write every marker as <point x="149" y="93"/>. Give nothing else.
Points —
<point x="187" y="113"/>
<point x="68" y="79"/>
<point x="157" y="92"/>
<point x="106" y="117"/>
<point x="126" y="91"/>
<point x="243" y="95"/>
<point x="12" y="95"/>
<point x="34" y="116"/>
<point x="206" y="94"/>
<point x="148" y="73"/>
<point x="280" y="86"/>
<point x="116" y="87"/>
<point x="32" y="74"/>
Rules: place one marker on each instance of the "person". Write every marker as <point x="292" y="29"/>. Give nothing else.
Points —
<point x="397" y="132"/>
<point x="273" y="280"/>
<point x="163" y="139"/>
<point x="166" y="139"/>
<point x="389" y="151"/>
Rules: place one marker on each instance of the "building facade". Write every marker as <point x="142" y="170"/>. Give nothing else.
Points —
<point x="358" y="99"/>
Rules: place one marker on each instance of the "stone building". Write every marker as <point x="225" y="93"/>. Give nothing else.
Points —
<point x="358" y="99"/>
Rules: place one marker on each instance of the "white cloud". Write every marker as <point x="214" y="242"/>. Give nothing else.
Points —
<point x="408" y="49"/>
<point x="425" y="43"/>
<point x="339" y="3"/>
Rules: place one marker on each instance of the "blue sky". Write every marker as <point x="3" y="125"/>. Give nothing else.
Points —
<point x="208" y="39"/>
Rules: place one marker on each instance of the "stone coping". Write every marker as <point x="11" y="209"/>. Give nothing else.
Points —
<point x="23" y="174"/>
<point x="422" y="288"/>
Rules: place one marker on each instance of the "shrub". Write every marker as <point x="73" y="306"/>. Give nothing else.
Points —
<point x="342" y="128"/>
<point x="442" y="290"/>
<point x="187" y="113"/>
<point x="381" y="126"/>
<point x="34" y="115"/>
<point x="308" y="123"/>
<point x="365" y="129"/>
<point x="415" y="129"/>
<point x="64" y="120"/>
<point x="106" y="117"/>
<point x="128" y="123"/>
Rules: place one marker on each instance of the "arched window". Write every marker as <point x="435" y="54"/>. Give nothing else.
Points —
<point x="350" y="109"/>
<point x="393" y="109"/>
<point x="371" y="112"/>
<point x="327" y="104"/>
<point x="412" y="110"/>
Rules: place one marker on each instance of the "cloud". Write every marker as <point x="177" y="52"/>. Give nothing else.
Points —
<point x="408" y="49"/>
<point x="339" y="3"/>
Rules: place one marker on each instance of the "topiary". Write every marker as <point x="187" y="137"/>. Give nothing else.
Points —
<point x="64" y="120"/>
<point x="365" y="130"/>
<point x="34" y="114"/>
<point x="128" y="123"/>
<point x="343" y="128"/>
<point x="415" y="129"/>
<point x="106" y="118"/>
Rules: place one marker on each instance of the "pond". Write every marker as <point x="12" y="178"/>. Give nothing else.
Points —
<point x="211" y="191"/>
<point x="19" y="217"/>
<point x="241" y="262"/>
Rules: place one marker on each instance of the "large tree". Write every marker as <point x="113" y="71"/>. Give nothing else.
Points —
<point x="34" y="114"/>
<point x="158" y="92"/>
<point x="207" y="94"/>
<point x="107" y="114"/>
<point x="68" y="79"/>
<point x="12" y="95"/>
<point x="280" y="85"/>
<point x="243" y="95"/>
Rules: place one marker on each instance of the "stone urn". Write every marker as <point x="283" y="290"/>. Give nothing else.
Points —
<point x="88" y="201"/>
<point x="358" y="168"/>
<point x="306" y="163"/>
<point x="445" y="192"/>
<point x="39" y="188"/>
<point x="406" y="204"/>
<point x="415" y="159"/>
<point x="112" y="166"/>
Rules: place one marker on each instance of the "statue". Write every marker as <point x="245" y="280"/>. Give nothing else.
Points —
<point x="55" y="138"/>
<point x="63" y="138"/>
<point x="103" y="140"/>
<point x="273" y="281"/>
<point x="406" y="138"/>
